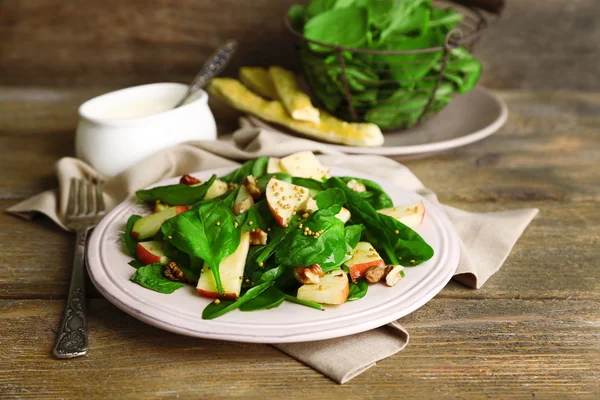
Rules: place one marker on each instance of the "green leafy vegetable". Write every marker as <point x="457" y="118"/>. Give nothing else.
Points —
<point x="374" y="195"/>
<point x="326" y="27"/>
<point x="152" y="277"/>
<point x="352" y="234"/>
<point x="381" y="230"/>
<point x="208" y="233"/>
<point x="270" y="298"/>
<point x="306" y="303"/>
<point x="129" y="243"/>
<point x="136" y="263"/>
<point x="332" y="199"/>
<point x="214" y="310"/>
<point x="177" y="195"/>
<point x="326" y="248"/>
<point x="374" y="79"/>
<point x="255" y="168"/>
<point x="358" y="289"/>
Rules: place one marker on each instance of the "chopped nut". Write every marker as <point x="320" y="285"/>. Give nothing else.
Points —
<point x="174" y="273"/>
<point x="258" y="237"/>
<point x="356" y="186"/>
<point x="394" y="274"/>
<point x="308" y="274"/>
<point x="252" y="186"/>
<point x="374" y="273"/>
<point x="189" y="180"/>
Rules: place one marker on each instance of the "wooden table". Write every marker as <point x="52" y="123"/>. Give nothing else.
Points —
<point x="532" y="331"/>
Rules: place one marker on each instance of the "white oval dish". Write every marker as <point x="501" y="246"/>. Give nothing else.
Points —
<point x="468" y="118"/>
<point x="181" y="311"/>
<point x="119" y="129"/>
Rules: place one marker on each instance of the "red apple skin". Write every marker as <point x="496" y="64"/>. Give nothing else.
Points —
<point x="134" y="235"/>
<point x="147" y="257"/>
<point x="181" y="209"/>
<point x="357" y="271"/>
<point x="215" y="295"/>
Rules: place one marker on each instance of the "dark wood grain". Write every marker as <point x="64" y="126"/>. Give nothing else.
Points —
<point x="463" y="349"/>
<point x="117" y="43"/>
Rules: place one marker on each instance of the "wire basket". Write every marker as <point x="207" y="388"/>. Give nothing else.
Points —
<point x="393" y="89"/>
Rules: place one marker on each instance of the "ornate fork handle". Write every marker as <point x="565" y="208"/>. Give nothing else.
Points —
<point x="72" y="338"/>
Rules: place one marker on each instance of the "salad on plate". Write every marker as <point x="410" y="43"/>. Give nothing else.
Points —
<point x="273" y="230"/>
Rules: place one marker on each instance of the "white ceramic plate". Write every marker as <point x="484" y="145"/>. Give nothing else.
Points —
<point x="468" y="118"/>
<point x="181" y="311"/>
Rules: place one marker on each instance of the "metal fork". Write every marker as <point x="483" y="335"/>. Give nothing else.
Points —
<point x="84" y="209"/>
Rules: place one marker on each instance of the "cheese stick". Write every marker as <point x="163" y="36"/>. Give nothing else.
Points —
<point x="259" y="81"/>
<point x="329" y="129"/>
<point x="296" y="102"/>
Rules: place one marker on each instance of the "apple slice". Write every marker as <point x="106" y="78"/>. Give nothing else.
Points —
<point x="304" y="165"/>
<point x="273" y="165"/>
<point x="231" y="271"/>
<point x="147" y="226"/>
<point x="284" y="200"/>
<point x="410" y="215"/>
<point x="151" y="252"/>
<point x="343" y="215"/>
<point x="218" y="188"/>
<point x="243" y="201"/>
<point x="333" y="288"/>
<point x="363" y="257"/>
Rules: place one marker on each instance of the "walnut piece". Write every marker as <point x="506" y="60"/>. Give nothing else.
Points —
<point x="356" y="186"/>
<point x="310" y="274"/>
<point x="375" y="273"/>
<point x="252" y="186"/>
<point x="189" y="180"/>
<point x="174" y="273"/>
<point x="258" y="237"/>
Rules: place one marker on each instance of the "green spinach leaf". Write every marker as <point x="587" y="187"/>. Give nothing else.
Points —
<point x="346" y="27"/>
<point x="358" y="290"/>
<point x="306" y="303"/>
<point x="381" y="230"/>
<point x="255" y="168"/>
<point x="374" y="195"/>
<point x="208" y="233"/>
<point x="177" y="195"/>
<point x="136" y="263"/>
<point x="214" y="310"/>
<point x="152" y="277"/>
<point x="332" y="199"/>
<point x="272" y="297"/>
<point x="352" y="234"/>
<point x="326" y="248"/>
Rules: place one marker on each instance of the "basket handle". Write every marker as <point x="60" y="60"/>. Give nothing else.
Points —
<point x="493" y="6"/>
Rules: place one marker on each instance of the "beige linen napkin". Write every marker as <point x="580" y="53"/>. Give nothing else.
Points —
<point x="487" y="239"/>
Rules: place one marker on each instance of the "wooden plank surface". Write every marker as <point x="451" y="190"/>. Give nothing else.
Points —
<point x="501" y="349"/>
<point x="550" y="44"/>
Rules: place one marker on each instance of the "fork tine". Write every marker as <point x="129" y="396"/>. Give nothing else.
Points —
<point x="100" y="207"/>
<point x="72" y="204"/>
<point x="82" y="209"/>
<point x="91" y="208"/>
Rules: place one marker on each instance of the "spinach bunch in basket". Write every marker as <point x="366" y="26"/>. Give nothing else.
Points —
<point x="390" y="90"/>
